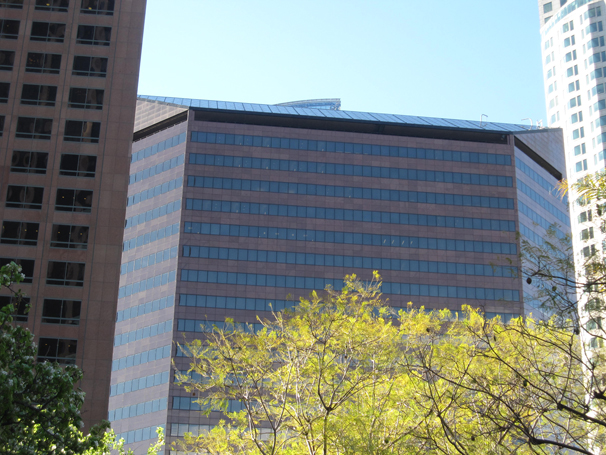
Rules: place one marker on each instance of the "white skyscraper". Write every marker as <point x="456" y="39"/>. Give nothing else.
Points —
<point x="574" y="66"/>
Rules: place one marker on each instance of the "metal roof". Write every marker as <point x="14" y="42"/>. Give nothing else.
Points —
<point x="343" y="115"/>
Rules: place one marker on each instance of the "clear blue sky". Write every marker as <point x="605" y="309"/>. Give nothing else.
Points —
<point x="440" y="58"/>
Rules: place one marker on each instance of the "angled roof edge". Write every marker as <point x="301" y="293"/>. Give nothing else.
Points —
<point x="353" y="116"/>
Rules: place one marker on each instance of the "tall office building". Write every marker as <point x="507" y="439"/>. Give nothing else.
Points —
<point x="231" y="207"/>
<point x="574" y="60"/>
<point x="68" y="80"/>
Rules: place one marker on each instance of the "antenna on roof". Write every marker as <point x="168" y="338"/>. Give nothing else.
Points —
<point x="482" y="118"/>
<point x="530" y="121"/>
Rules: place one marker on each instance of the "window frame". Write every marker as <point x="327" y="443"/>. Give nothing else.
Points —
<point x="66" y="280"/>
<point x="94" y="41"/>
<point x="38" y="194"/>
<point x="38" y="101"/>
<point x="93" y="138"/>
<point x="69" y="244"/>
<point x="78" y="172"/>
<point x="73" y="207"/>
<point x="53" y="32"/>
<point x="20" y="239"/>
<point x="90" y="72"/>
<point x="61" y="319"/>
<point x="5" y="25"/>
<point x="73" y="91"/>
<point x="40" y="5"/>
<point x="94" y="9"/>
<point x="69" y="346"/>
<point x="44" y="68"/>
<point x="40" y="123"/>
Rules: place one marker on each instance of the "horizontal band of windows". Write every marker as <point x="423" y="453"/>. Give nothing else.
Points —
<point x="191" y="404"/>
<point x="153" y="214"/>
<point x="139" y="383"/>
<point x="149" y="237"/>
<point x="137" y="409"/>
<point x="158" y="148"/>
<point x="155" y="191"/>
<point x="536" y="197"/>
<point x="350" y="169"/>
<point x="347" y="147"/>
<point x="350" y="238"/>
<point x="359" y="262"/>
<point x="282" y="281"/>
<point x="149" y="260"/>
<point x="157" y="169"/>
<point x="17" y="4"/>
<point x="179" y="429"/>
<point x="134" y="360"/>
<point x="538" y="219"/>
<point x="420" y="197"/>
<point x="145" y="308"/>
<point x="368" y="216"/>
<point x="530" y="235"/>
<point x="142" y="434"/>
<point x="142" y="333"/>
<point x="145" y="285"/>
<point x="536" y="177"/>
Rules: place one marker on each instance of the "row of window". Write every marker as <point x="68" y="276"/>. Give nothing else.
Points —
<point x="282" y="281"/>
<point x="98" y="7"/>
<point x="62" y="235"/>
<point x="149" y="237"/>
<point x="139" y="383"/>
<point x="532" y="236"/>
<point x="71" y="165"/>
<point x="54" y="32"/>
<point x="595" y="42"/>
<point x="152" y="214"/>
<point x="142" y="333"/>
<point x="155" y="191"/>
<point x="147" y="261"/>
<point x="54" y="311"/>
<point x="41" y="128"/>
<point x="191" y="404"/>
<point x="67" y="200"/>
<point x="335" y="260"/>
<point x="46" y="63"/>
<point x="149" y="283"/>
<point x="46" y="95"/>
<point x="311" y="189"/>
<point x="137" y="409"/>
<point x="158" y="148"/>
<point x="351" y="148"/>
<point x="536" y="177"/>
<point x="58" y="273"/>
<point x="157" y="169"/>
<point x="350" y="169"/>
<point x="239" y="303"/>
<point x="536" y="197"/>
<point x="142" y="434"/>
<point x="134" y="360"/>
<point x="538" y="219"/>
<point x="145" y="308"/>
<point x="370" y="216"/>
<point x="350" y="238"/>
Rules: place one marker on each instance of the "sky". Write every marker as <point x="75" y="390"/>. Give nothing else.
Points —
<point x="440" y="58"/>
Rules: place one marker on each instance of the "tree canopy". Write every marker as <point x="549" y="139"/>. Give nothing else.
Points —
<point x="341" y="373"/>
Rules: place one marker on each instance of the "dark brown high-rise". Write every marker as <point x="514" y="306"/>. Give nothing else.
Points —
<point x="68" y="80"/>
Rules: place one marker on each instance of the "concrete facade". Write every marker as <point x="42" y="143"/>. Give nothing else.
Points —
<point x="69" y="70"/>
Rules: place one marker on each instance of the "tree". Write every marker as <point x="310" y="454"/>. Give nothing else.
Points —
<point x="342" y="374"/>
<point x="40" y="406"/>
